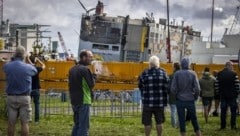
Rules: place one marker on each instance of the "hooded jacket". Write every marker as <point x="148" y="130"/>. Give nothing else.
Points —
<point x="207" y="85"/>
<point x="185" y="84"/>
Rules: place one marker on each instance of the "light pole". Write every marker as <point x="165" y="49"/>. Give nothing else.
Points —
<point x="212" y="22"/>
<point x="168" y="38"/>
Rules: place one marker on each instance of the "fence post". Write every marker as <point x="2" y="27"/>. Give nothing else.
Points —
<point x="122" y="101"/>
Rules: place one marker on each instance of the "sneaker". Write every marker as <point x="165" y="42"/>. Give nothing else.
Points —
<point x="36" y="123"/>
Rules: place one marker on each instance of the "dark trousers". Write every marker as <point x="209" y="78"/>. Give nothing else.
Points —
<point x="81" y="120"/>
<point x="190" y="107"/>
<point x="35" y="95"/>
<point x="225" y="103"/>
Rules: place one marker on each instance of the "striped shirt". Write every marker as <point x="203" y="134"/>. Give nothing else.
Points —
<point x="153" y="85"/>
<point x="227" y="84"/>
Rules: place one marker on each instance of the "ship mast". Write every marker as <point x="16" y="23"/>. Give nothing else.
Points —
<point x="168" y="38"/>
<point x="1" y="17"/>
<point x="212" y="22"/>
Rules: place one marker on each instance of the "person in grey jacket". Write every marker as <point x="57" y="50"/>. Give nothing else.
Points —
<point x="207" y="91"/>
<point x="186" y="87"/>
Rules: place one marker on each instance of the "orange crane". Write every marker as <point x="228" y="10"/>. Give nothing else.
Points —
<point x="63" y="45"/>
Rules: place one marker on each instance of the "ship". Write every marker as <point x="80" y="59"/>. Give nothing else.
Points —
<point x="135" y="40"/>
<point x="112" y="38"/>
<point x="124" y="39"/>
<point x="121" y="38"/>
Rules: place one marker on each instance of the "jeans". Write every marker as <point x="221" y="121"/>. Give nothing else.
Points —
<point x="35" y="95"/>
<point x="233" y="108"/>
<point x="190" y="106"/>
<point x="174" y="120"/>
<point x="81" y="120"/>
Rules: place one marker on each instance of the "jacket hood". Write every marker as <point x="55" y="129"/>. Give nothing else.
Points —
<point x="206" y="75"/>
<point x="185" y="63"/>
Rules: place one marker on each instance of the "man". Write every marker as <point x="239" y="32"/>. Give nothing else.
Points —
<point x="19" y="81"/>
<point x="227" y="86"/>
<point x="207" y="91"/>
<point x="153" y="84"/>
<point x="172" y="98"/>
<point x="186" y="87"/>
<point x="35" y="94"/>
<point x="81" y="83"/>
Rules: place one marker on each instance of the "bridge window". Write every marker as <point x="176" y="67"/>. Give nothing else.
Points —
<point x="115" y="48"/>
<point x="100" y="46"/>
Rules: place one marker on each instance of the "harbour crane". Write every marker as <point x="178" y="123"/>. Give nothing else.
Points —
<point x="63" y="45"/>
<point x="87" y="11"/>
<point x="235" y="21"/>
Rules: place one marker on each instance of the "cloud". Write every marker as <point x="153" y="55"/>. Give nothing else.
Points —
<point x="64" y="15"/>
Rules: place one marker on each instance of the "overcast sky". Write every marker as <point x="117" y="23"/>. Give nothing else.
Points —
<point x="65" y="15"/>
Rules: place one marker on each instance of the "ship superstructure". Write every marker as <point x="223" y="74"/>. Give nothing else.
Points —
<point x="125" y="39"/>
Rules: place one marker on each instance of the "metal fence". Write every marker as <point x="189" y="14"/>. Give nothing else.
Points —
<point x="106" y="103"/>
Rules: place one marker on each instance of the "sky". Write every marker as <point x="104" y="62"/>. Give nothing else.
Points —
<point x="65" y="15"/>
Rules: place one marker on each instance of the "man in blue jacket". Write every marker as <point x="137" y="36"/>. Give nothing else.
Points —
<point x="19" y="82"/>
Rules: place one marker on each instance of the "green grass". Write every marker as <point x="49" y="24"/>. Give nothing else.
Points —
<point x="60" y="125"/>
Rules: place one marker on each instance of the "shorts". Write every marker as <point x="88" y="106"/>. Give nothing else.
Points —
<point x="207" y="101"/>
<point x="19" y="106"/>
<point x="147" y="115"/>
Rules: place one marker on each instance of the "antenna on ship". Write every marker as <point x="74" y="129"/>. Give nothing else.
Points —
<point x="1" y="17"/>
<point x="168" y="38"/>
<point x="212" y="23"/>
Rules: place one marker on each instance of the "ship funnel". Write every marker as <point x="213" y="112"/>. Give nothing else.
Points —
<point x="99" y="8"/>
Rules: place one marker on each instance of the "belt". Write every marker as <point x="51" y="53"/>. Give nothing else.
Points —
<point x="23" y="94"/>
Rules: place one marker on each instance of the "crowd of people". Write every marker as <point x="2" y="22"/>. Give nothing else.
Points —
<point x="180" y="90"/>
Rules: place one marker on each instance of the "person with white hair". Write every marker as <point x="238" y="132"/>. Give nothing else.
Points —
<point x="18" y="89"/>
<point x="153" y="84"/>
<point x="154" y="62"/>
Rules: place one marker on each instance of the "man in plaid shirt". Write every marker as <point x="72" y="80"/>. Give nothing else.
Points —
<point x="153" y="83"/>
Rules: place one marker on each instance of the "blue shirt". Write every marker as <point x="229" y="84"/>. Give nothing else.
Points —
<point x="19" y="76"/>
<point x="153" y="85"/>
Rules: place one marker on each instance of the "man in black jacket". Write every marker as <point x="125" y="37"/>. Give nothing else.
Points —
<point x="81" y="83"/>
<point x="227" y="85"/>
<point x="35" y="94"/>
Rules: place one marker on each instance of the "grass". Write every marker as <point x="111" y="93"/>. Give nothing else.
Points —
<point x="61" y="125"/>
